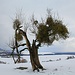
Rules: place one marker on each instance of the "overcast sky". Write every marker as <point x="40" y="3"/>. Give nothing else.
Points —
<point x="64" y="8"/>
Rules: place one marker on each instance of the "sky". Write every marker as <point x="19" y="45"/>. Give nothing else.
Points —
<point x="63" y="8"/>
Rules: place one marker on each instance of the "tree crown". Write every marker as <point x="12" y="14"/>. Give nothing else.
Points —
<point x="52" y="29"/>
<point x="46" y="32"/>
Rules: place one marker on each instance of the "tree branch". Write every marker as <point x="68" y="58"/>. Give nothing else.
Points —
<point x="22" y="45"/>
<point x="23" y="50"/>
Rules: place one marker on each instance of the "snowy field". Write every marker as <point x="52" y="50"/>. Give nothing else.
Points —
<point x="54" y="65"/>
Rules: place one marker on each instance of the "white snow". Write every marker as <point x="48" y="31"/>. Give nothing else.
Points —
<point x="54" y="65"/>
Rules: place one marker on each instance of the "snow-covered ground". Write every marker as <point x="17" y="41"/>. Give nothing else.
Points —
<point x="54" y="65"/>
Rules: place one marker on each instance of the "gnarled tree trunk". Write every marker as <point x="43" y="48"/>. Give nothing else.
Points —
<point x="35" y="55"/>
<point x="33" y="50"/>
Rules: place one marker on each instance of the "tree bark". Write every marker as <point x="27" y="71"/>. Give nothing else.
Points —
<point x="33" y="50"/>
<point x="35" y="55"/>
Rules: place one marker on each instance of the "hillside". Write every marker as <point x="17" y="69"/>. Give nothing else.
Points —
<point x="4" y="52"/>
